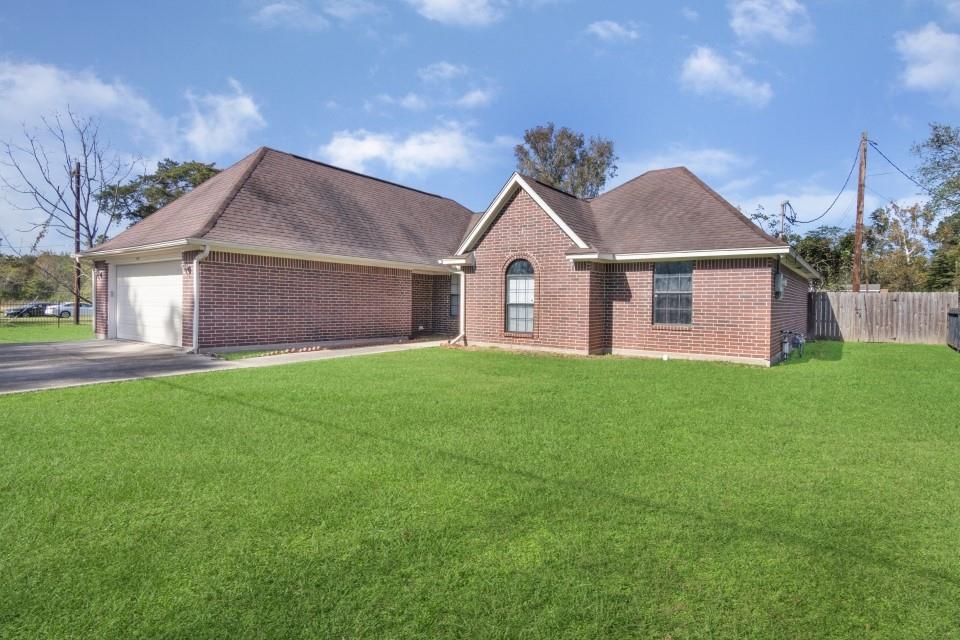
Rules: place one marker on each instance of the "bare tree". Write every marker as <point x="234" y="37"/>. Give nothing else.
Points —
<point x="43" y="178"/>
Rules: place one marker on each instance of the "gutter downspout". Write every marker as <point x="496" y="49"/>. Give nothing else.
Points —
<point x="196" y="296"/>
<point x="463" y="302"/>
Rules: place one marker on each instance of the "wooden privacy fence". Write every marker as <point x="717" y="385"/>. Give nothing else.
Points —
<point x="881" y="317"/>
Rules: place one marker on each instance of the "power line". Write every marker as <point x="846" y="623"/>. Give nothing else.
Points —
<point x="894" y="165"/>
<point x="853" y="165"/>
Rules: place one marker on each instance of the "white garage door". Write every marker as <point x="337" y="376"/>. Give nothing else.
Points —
<point x="149" y="302"/>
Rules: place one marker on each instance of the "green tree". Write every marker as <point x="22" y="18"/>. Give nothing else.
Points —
<point x="829" y="250"/>
<point x="939" y="172"/>
<point x="562" y="158"/>
<point x="944" y="273"/>
<point x="45" y="276"/>
<point x="939" y="169"/>
<point x="770" y="223"/>
<point x="137" y="199"/>
<point x="897" y="242"/>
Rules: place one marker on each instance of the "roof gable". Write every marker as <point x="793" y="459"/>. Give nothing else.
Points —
<point x="515" y="183"/>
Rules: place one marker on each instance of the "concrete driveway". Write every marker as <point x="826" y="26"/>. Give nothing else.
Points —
<point x="26" y="367"/>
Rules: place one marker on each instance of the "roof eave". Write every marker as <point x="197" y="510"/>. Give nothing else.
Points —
<point x="810" y="272"/>
<point x="465" y="260"/>
<point x="143" y="248"/>
<point x="228" y="247"/>
<point x="651" y="256"/>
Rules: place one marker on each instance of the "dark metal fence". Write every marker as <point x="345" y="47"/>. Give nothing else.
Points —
<point x="953" y="328"/>
<point x="53" y="312"/>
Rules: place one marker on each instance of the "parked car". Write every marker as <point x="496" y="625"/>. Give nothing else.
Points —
<point x="65" y="310"/>
<point x="30" y="310"/>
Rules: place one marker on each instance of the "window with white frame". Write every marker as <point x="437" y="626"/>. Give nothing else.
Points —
<point x="673" y="293"/>
<point x="519" y="297"/>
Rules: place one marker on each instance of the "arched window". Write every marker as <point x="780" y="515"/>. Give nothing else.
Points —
<point x="519" y="297"/>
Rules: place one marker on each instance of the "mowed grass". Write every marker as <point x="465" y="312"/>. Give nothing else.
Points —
<point x="446" y="493"/>
<point x="46" y="330"/>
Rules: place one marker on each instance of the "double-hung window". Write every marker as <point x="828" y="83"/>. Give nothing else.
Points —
<point x="673" y="293"/>
<point x="455" y="295"/>
<point x="519" y="297"/>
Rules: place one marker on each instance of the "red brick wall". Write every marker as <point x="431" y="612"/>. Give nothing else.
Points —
<point x="790" y="311"/>
<point x="101" y="297"/>
<point x="443" y="322"/>
<point x="562" y="293"/>
<point x="731" y="309"/>
<point x="249" y="300"/>
<point x="599" y="307"/>
<point x="431" y="305"/>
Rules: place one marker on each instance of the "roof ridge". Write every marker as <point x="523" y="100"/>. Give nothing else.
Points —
<point x="739" y="214"/>
<point x="234" y="190"/>
<point x="362" y="175"/>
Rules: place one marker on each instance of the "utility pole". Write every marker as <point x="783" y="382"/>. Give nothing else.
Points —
<point x="858" y="232"/>
<point x="76" y="243"/>
<point x="783" y="216"/>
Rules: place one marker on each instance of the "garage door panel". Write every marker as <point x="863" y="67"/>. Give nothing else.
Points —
<point x="150" y="302"/>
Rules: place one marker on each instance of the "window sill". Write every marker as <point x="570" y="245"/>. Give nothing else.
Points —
<point x="672" y="327"/>
<point x="517" y="334"/>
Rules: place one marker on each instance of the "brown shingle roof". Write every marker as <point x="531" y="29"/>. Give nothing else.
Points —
<point x="672" y="210"/>
<point x="277" y="200"/>
<point x="666" y="210"/>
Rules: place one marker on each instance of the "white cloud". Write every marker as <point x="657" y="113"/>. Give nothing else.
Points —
<point x="610" y="31"/>
<point x="30" y="90"/>
<point x="477" y="13"/>
<point x="448" y="146"/>
<point x="705" y="72"/>
<point x="222" y="123"/>
<point x="475" y="98"/>
<point x="441" y="71"/>
<point x="785" y="21"/>
<point x="932" y="60"/>
<point x="290" y="14"/>
<point x="690" y="14"/>
<point x="214" y="126"/>
<point x="706" y="162"/>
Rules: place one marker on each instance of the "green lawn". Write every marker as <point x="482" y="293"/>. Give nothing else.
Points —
<point x="453" y="493"/>
<point x="29" y="330"/>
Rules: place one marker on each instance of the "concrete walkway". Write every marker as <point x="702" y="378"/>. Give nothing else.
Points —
<point x="50" y="365"/>
<point x="53" y="365"/>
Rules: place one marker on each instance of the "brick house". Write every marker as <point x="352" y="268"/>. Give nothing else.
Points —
<point x="282" y="250"/>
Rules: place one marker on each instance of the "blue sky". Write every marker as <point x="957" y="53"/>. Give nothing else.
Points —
<point x="764" y="99"/>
